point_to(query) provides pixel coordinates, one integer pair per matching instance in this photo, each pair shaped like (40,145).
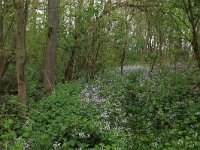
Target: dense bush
(10,121)
(63,120)
(68,119)
(132,111)
(163,111)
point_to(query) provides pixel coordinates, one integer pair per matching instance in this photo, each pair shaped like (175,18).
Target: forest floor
(133,68)
(137,110)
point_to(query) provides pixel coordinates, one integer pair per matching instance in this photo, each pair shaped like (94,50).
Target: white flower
(56,145)
(81,135)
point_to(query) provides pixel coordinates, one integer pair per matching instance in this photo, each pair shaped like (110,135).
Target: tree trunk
(3,60)
(50,58)
(194,22)
(122,60)
(21,50)
(1,26)
(160,46)
(4,63)
(123,56)
(70,67)
(196,49)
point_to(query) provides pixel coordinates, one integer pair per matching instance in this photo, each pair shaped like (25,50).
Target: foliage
(163,111)
(80,123)
(134,111)
(10,121)
(159,110)
(63,120)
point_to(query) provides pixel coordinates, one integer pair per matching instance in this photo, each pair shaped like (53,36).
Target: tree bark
(1,25)
(196,49)
(194,21)
(4,63)
(123,56)
(70,67)
(3,60)
(21,50)
(50,58)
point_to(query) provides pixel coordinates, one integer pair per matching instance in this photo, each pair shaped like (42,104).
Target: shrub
(10,121)
(162,111)
(63,120)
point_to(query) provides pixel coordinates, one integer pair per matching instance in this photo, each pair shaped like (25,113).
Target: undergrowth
(134,111)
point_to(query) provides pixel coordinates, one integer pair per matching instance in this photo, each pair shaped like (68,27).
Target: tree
(21,16)
(2,58)
(69,70)
(50,58)
(186,16)
(192,10)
